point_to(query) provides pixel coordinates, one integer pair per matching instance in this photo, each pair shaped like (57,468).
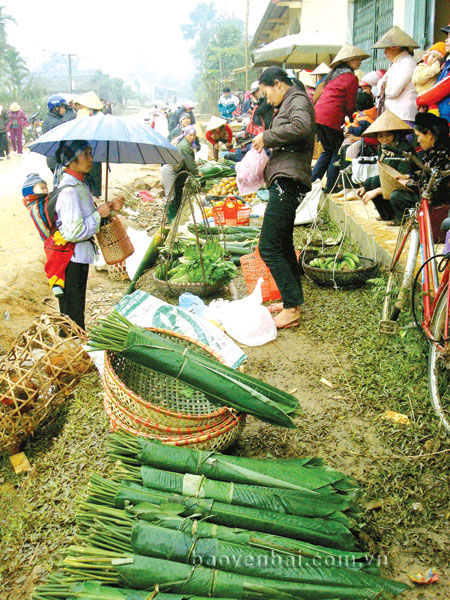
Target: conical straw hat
(307,79)
(322,69)
(347,52)
(215,123)
(386,122)
(89,100)
(395,37)
(388,181)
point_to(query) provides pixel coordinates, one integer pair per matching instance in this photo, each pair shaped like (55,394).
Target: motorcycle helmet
(55,101)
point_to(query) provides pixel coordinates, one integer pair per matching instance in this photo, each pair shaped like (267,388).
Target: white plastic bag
(245,320)
(307,211)
(250,171)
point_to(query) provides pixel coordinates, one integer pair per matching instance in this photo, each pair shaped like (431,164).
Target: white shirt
(400,93)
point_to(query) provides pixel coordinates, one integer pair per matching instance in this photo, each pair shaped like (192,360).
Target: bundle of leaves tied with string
(221,385)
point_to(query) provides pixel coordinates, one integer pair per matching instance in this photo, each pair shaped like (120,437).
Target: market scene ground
(301,456)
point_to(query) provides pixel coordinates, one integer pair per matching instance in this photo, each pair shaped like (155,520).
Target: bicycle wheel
(400,279)
(439,363)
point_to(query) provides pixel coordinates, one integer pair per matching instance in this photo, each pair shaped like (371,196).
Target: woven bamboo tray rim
(164,428)
(217,440)
(119,388)
(200,289)
(338,277)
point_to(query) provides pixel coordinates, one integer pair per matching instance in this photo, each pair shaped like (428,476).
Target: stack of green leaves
(198,265)
(221,385)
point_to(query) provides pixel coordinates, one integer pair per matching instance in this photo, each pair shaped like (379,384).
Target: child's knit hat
(438,47)
(29,183)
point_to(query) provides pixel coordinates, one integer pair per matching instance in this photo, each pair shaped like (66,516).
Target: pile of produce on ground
(188,263)
(347,261)
(216,526)
(221,385)
(236,240)
(213,172)
(227,186)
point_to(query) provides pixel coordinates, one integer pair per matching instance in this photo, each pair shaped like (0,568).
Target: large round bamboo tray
(38,374)
(329,277)
(156,398)
(388,180)
(217,438)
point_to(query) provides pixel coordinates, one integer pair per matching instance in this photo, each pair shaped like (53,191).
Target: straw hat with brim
(395,38)
(322,69)
(386,122)
(308,79)
(215,123)
(388,181)
(348,52)
(14,107)
(89,100)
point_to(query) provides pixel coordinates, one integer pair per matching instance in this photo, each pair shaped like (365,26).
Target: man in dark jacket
(57,107)
(4,120)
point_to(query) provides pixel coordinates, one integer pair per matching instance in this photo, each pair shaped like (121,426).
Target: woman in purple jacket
(17,121)
(336,101)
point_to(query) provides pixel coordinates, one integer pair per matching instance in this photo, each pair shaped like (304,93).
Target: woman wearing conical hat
(336,100)
(396,90)
(390,130)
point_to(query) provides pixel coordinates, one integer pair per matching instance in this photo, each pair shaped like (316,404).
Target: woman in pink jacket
(336,101)
(17,121)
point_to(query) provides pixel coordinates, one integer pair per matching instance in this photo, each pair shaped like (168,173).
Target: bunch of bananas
(340,262)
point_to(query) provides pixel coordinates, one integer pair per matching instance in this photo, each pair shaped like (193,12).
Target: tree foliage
(113,89)
(218,48)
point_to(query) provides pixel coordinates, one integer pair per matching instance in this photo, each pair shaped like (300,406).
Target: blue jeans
(276,244)
(331,140)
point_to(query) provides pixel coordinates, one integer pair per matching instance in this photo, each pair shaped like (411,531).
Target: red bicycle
(426,290)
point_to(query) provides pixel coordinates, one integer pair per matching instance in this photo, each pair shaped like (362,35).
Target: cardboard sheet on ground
(308,209)
(148,311)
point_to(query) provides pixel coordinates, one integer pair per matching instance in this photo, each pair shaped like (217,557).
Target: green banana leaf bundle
(220,384)
(297,474)
(304,503)
(147,539)
(65,589)
(142,572)
(168,516)
(324,532)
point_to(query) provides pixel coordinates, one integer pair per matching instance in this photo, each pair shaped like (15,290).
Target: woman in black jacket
(288,177)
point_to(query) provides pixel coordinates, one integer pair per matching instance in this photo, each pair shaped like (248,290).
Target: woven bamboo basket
(38,374)
(199,289)
(163,402)
(114,242)
(118,271)
(388,180)
(217,438)
(329,277)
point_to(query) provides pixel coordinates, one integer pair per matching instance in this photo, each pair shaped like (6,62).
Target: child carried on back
(58,251)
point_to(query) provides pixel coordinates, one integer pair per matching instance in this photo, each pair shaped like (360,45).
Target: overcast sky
(113,36)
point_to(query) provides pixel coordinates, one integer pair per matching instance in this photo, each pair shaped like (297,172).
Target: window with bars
(371,20)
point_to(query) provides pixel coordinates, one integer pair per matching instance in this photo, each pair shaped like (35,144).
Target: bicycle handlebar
(409,155)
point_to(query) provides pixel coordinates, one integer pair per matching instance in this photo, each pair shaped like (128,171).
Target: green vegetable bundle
(199,265)
(333,534)
(142,572)
(295,474)
(220,384)
(232,233)
(147,539)
(167,515)
(305,503)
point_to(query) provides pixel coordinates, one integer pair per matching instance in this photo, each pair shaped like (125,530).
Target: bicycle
(434,294)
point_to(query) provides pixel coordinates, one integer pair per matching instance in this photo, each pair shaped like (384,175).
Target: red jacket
(337,101)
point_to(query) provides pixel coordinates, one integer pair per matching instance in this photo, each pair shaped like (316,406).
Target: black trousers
(4,148)
(72,303)
(276,243)
(382,206)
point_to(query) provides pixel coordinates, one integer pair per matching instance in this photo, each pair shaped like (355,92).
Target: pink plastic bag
(250,171)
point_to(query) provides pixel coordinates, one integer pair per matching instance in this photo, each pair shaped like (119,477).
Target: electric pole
(246,44)
(69,56)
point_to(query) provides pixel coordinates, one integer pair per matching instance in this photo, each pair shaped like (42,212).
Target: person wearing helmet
(57,107)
